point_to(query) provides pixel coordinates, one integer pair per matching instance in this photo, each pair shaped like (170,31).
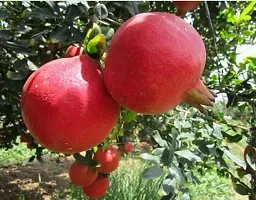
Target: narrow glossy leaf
(239,162)
(31,159)
(16,76)
(129,116)
(151,158)
(4,14)
(177,173)
(185,196)
(251,161)
(101,11)
(72,12)
(168,185)
(240,189)
(159,140)
(247,9)
(110,34)
(217,131)
(143,6)
(5,35)
(188,155)
(54,6)
(17,48)
(234,138)
(31,66)
(131,7)
(177,124)
(167,156)
(77,34)
(152,172)
(38,35)
(60,34)
(158,151)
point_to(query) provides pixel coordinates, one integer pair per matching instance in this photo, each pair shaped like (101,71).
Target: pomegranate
(184,6)
(82,174)
(74,51)
(108,159)
(66,106)
(98,188)
(128,147)
(154,63)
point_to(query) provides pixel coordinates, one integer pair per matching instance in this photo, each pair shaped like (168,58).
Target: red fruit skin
(74,51)
(128,147)
(23,139)
(82,174)
(29,146)
(66,106)
(98,188)
(153,60)
(109,159)
(186,5)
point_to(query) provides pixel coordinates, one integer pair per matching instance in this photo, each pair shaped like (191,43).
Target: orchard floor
(34,180)
(42,181)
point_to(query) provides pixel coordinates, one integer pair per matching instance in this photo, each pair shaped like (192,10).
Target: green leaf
(60,34)
(233,138)
(31,66)
(131,7)
(151,158)
(101,11)
(248,9)
(217,131)
(152,172)
(159,139)
(110,34)
(97,45)
(185,196)
(188,155)
(143,6)
(5,35)
(240,189)
(17,48)
(250,160)
(92,33)
(177,174)
(129,116)
(4,14)
(167,156)
(158,151)
(239,162)
(168,185)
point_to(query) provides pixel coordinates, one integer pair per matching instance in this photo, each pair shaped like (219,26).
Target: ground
(34,180)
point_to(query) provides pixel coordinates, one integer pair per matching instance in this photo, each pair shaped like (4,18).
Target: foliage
(33,33)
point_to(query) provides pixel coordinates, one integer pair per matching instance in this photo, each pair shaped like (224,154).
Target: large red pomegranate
(154,63)
(66,106)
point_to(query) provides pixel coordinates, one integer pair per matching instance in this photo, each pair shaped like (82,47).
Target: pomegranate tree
(154,63)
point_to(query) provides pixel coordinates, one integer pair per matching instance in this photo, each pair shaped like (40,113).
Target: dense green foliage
(33,33)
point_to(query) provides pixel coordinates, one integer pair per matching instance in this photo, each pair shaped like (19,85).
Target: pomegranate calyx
(200,95)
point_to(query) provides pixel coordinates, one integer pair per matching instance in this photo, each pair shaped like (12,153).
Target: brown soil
(35,181)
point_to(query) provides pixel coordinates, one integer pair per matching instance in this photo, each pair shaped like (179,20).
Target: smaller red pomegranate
(74,51)
(23,139)
(82,174)
(128,147)
(184,6)
(125,148)
(108,159)
(98,188)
